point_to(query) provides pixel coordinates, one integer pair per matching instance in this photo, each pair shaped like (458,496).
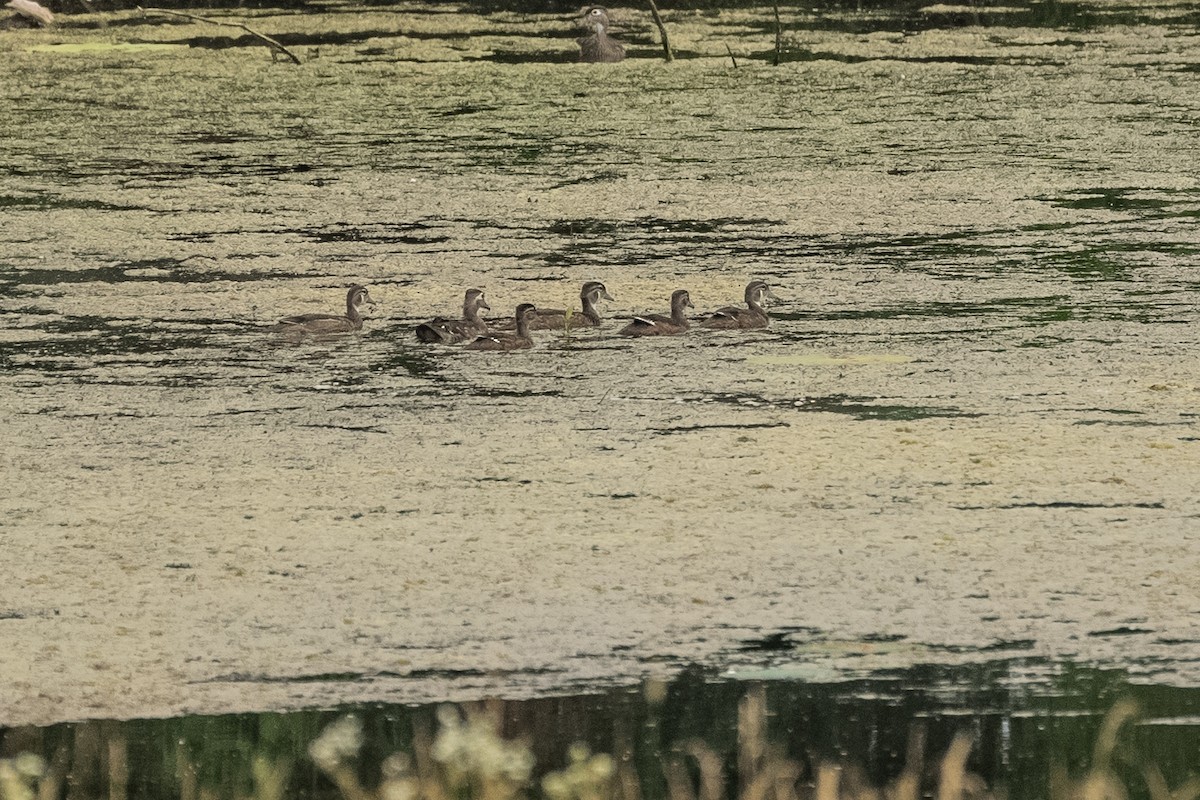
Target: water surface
(972,421)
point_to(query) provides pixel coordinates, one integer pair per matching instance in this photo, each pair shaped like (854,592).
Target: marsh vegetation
(969,432)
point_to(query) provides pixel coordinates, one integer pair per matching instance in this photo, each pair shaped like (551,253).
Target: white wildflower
(475,749)
(338,743)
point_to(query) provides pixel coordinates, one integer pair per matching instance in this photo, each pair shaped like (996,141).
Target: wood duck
(657,324)
(752,316)
(324,324)
(452,331)
(598,46)
(547,319)
(506,340)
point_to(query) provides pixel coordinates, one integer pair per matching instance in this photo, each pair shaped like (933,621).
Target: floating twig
(274,45)
(778,34)
(729,50)
(662,30)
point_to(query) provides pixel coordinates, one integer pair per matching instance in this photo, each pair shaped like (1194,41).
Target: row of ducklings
(514,333)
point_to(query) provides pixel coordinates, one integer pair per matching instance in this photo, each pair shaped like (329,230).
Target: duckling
(453,331)
(545,319)
(325,324)
(598,46)
(505,340)
(657,324)
(752,316)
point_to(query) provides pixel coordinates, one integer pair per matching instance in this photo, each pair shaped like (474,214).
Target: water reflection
(1031,727)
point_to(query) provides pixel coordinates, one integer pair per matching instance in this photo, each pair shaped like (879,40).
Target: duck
(598,47)
(657,324)
(452,331)
(546,319)
(325,324)
(507,340)
(752,316)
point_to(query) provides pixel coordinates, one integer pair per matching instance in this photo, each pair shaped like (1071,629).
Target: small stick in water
(662,30)
(274,45)
(778,34)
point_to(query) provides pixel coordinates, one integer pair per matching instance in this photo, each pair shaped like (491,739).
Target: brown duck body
(518,340)
(452,331)
(659,325)
(752,316)
(557,319)
(325,324)
(598,47)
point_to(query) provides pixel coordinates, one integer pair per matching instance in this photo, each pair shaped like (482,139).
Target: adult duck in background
(657,324)
(326,324)
(598,46)
(556,319)
(507,340)
(754,315)
(452,331)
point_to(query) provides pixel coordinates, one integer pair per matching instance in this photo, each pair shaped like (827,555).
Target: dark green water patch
(519,52)
(182,166)
(729,426)
(860,410)
(520,55)
(797,54)
(656,226)
(156,270)
(961,255)
(410,362)
(1135,423)
(1025,716)
(1090,264)
(349,428)
(1110,199)
(601,176)
(1044,308)
(1044,342)
(1123,630)
(327,38)
(485,391)
(785,640)
(83,342)
(469,109)
(1064,504)
(44,201)
(911,16)
(412,233)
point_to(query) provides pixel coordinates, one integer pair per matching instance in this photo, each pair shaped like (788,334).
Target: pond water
(970,431)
